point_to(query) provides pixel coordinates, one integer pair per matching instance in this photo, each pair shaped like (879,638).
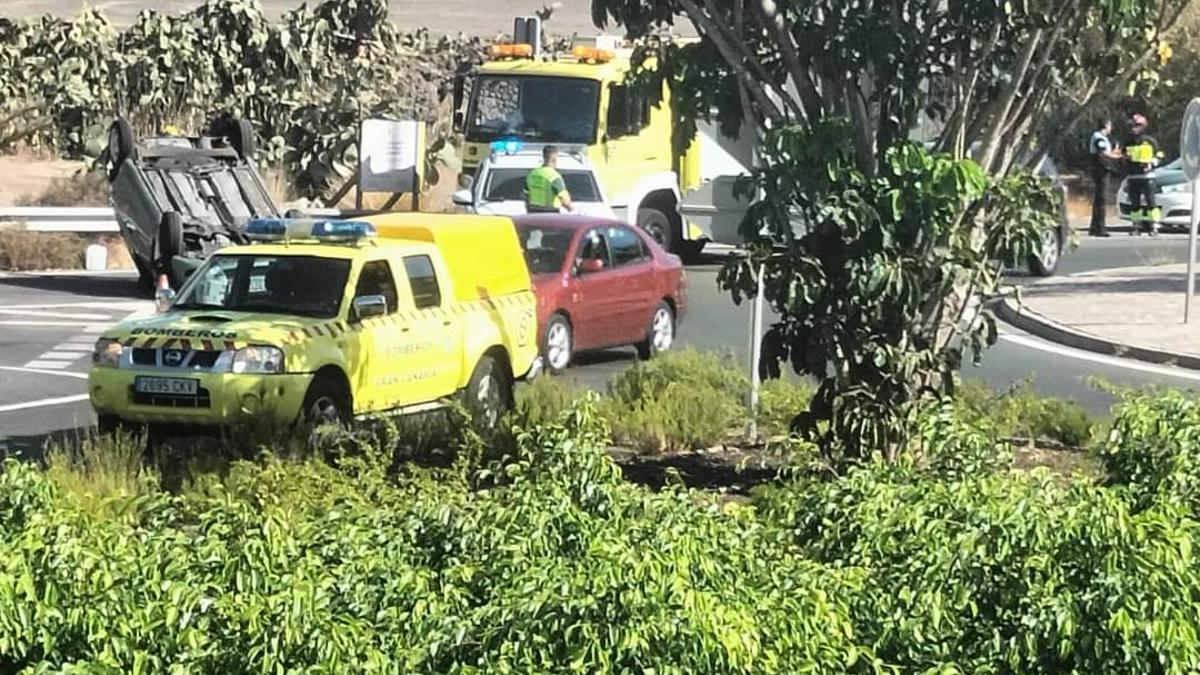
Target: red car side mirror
(591,266)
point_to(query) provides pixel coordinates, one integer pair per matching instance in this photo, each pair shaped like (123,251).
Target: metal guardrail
(88,219)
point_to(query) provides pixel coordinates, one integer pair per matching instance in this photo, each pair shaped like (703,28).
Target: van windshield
(535,108)
(509,185)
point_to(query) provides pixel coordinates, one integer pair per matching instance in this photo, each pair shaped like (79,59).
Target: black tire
(121,146)
(658,225)
(656,342)
(489,393)
(170,243)
(327,403)
(240,135)
(1045,262)
(294,214)
(558,344)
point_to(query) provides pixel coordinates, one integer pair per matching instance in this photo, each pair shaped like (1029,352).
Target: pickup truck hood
(217,329)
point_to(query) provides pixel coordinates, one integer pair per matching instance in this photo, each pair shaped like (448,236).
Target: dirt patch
(26,175)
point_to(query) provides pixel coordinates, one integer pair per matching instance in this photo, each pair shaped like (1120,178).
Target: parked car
(600,283)
(498,188)
(178,199)
(1173,194)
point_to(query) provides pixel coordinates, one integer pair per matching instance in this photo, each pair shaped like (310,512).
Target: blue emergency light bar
(509,146)
(267,228)
(343,230)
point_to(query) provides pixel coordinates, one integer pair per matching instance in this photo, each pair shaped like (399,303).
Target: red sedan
(600,283)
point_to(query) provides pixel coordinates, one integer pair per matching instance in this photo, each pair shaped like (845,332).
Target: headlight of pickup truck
(257,359)
(107,353)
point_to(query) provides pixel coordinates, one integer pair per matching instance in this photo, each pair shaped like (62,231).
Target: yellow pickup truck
(326,321)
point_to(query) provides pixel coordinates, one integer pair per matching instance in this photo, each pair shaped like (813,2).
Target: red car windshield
(545,248)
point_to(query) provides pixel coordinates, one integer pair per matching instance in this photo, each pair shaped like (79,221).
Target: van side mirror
(368,306)
(459,121)
(591,266)
(462,198)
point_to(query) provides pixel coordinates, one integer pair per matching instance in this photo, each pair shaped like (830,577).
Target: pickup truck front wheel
(326,404)
(489,393)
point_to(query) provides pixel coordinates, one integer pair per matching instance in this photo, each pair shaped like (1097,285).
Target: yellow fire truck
(583,100)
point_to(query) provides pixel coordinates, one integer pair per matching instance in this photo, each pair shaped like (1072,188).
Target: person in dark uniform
(1103,156)
(1141,156)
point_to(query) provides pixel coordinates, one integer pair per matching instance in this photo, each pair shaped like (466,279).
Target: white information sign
(389,154)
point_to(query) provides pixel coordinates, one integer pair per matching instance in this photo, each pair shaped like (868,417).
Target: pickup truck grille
(202,399)
(176,359)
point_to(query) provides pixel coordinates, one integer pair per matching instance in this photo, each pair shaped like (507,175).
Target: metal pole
(1191,271)
(756,315)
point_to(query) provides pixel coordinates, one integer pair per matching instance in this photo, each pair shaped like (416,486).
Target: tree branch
(776,23)
(1004,105)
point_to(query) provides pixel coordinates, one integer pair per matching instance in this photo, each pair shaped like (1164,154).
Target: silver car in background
(1172,194)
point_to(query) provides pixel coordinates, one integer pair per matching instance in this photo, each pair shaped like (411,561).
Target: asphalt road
(48,321)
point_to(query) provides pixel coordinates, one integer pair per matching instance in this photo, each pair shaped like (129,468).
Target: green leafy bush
(681,401)
(1021,412)
(780,400)
(1005,572)
(1154,448)
(559,566)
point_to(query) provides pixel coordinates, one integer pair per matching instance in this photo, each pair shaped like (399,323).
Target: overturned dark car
(178,199)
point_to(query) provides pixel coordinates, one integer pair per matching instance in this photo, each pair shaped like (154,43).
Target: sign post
(1189,148)
(390,157)
(756,317)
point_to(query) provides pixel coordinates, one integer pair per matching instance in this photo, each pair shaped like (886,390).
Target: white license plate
(175,386)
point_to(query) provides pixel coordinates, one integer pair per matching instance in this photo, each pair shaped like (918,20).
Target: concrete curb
(1048,329)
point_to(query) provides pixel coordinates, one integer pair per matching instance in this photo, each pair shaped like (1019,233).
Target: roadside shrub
(1005,572)
(82,188)
(950,447)
(24,251)
(1021,412)
(780,400)
(1154,448)
(544,400)
(560,566)
(683,400)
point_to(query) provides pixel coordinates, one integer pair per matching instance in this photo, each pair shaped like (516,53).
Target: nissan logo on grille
(173,357)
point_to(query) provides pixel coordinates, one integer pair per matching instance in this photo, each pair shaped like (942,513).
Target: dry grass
(83,188)
(24,251)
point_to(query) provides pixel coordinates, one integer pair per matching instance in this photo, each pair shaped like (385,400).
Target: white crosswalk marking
(98,328)
(76,345)
(47,365)
(64,356)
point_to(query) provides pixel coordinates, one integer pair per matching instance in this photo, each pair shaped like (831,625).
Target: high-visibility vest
(539,187)
(1142,153)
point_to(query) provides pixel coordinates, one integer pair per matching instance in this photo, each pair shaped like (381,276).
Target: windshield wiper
(197,305)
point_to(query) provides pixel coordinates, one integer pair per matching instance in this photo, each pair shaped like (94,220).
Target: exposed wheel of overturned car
(170,244)
(1044,262)
(239,133)
(121,145)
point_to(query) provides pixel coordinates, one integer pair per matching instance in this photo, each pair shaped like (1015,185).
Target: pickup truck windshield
(509,184)
(300,285)
(545,248)
(535,108)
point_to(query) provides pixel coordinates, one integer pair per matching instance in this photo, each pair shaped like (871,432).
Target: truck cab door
(439,327)
(376,359)
(636,139)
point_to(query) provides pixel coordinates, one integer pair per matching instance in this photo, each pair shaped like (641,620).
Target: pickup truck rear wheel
(326,404)
(489,393)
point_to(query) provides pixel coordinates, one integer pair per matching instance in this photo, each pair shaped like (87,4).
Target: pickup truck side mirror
(462,198)
(367,306)
(591,266)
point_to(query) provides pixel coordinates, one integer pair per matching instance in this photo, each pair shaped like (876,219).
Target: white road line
(127,306)
(39,371)
(13,311)
(64,356)
(80,344)
(96,328)
(1113,361)
(62,400)
(38,364)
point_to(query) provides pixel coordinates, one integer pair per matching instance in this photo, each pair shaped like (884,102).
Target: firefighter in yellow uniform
(545,191)
(1142,155)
